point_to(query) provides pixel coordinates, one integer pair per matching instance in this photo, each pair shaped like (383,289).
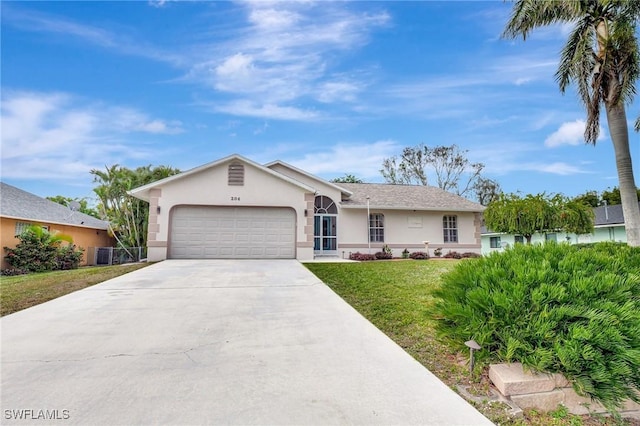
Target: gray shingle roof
(406,197)
(18,204)
(608,215)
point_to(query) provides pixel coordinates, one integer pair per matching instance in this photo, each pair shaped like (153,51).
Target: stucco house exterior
(237,208)
(608,226)
(20,209)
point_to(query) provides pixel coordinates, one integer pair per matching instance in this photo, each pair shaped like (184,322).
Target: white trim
(309,175)
(141,192)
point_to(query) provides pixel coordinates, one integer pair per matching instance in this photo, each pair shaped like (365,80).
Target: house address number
(235,198)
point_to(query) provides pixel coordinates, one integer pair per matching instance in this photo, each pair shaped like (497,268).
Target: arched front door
(325,226)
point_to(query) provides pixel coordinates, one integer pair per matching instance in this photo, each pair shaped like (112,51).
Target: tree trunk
(619,131)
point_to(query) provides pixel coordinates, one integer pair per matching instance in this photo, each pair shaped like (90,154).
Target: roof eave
(142,192)
(310,176)
(434,209)
(53,222)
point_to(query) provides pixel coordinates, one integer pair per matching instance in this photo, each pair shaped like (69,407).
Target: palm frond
(637,125)
(530,14)
(577,59)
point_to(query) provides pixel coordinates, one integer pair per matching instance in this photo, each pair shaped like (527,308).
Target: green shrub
(419,255)
(69,257)
(555,308)
(39,251)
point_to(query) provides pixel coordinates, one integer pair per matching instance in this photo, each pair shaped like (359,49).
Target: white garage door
(203,232)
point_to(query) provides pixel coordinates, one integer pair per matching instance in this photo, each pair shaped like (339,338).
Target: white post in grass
(368,225)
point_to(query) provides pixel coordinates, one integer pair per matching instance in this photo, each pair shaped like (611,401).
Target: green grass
(395,296)
(23,291)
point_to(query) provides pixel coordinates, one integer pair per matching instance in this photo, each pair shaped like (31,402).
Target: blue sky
(332,88)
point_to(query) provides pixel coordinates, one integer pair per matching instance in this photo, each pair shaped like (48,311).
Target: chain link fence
(101,256)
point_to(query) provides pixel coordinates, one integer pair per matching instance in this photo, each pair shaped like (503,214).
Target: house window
(450,229)
(21,226)
(551,236)
(324,205)
(376,228)
(494,242)
(519,239)
(236,174)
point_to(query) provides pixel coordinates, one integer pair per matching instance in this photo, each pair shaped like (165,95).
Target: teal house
(609,226)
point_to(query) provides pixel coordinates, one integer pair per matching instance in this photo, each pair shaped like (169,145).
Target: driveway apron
(184,342)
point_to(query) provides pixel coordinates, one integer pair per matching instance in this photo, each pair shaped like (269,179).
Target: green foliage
(347,178)
(39,251)
(84,205)
(527,215)
(555,308)
(128,215)
(590,198)
(405,254)
(610,196)
(68,257)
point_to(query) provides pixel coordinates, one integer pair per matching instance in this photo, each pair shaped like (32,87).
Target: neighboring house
(608,226)
(236,208)
(20,209)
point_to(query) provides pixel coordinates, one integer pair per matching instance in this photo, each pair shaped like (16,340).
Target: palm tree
(602,58)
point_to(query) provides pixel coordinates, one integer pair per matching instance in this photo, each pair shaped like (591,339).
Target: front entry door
(325,236)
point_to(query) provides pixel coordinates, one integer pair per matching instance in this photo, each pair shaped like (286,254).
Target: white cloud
(363,160)
(58,136)
(569,133)
(557,168)
(121,42)
(273,111)
(273,19)
(284,52)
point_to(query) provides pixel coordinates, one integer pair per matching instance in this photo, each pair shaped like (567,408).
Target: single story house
(237,208)
(20,209)
(608,226)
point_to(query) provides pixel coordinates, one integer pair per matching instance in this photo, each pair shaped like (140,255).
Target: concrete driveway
(213,342)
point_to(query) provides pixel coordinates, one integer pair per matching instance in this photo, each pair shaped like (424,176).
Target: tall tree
(453,170)
(590,197)
(487,190)
(528,215)
(128,215)
(347,178)
(84,204)
(602,58)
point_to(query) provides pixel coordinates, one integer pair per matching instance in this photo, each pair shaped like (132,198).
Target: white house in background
(608,226)
(236,208)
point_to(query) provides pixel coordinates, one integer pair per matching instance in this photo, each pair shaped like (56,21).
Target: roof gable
(18,204)
(406,197)
(311,177)
(142,192)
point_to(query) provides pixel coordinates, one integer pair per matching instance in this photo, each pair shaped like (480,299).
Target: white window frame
(450,228)
(376,228)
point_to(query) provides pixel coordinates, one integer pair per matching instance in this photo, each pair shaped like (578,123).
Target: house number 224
(235,198)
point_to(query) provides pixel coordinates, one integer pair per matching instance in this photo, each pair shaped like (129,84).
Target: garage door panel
(232,232)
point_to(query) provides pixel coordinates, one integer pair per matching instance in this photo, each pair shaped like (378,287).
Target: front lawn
(23,291)
(395,296)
